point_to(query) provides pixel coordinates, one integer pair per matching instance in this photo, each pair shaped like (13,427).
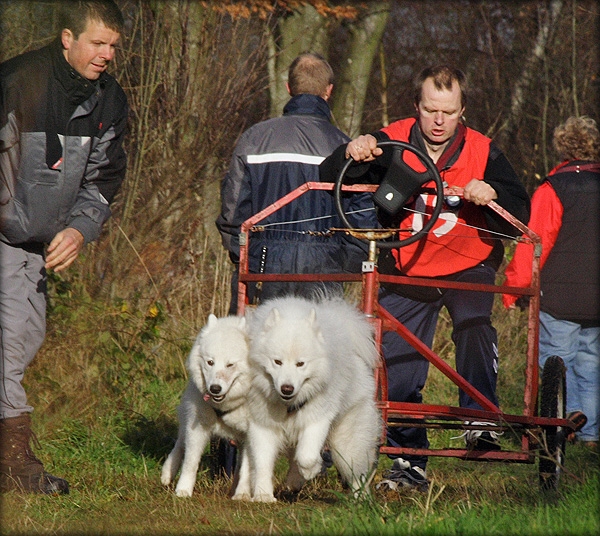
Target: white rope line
(313,219)
(501,235)
(275,224)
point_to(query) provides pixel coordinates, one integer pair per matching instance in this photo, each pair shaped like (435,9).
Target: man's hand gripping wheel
(400,183)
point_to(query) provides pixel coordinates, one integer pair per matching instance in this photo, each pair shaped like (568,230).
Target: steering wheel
(401,181)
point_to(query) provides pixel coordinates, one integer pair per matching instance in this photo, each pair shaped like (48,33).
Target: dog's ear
(212,320)
(273,318)
(312,323)
(242,323)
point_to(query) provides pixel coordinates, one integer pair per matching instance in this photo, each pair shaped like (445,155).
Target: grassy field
(116,490)
(105,388)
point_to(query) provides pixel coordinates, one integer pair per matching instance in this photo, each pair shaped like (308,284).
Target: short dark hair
(309,73)
(75,14)
(443,77)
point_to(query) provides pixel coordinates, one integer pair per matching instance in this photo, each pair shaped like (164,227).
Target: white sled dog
(214,403)
(312,384)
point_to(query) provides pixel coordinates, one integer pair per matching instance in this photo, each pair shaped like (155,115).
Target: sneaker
(481,439)
(327,461)
(404,475)
(579,420)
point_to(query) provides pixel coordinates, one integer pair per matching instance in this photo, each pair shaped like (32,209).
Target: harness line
(260,228)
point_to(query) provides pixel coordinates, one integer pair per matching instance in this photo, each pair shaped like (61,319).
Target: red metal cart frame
(529,425)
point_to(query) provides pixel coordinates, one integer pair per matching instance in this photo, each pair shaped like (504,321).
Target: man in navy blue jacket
(271,159)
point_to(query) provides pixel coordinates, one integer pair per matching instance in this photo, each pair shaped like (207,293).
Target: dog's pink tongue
(206,397)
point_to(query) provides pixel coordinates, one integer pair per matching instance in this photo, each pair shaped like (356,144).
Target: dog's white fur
(214,403)
(312,384)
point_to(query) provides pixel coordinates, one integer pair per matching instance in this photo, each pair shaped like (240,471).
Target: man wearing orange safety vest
(464,245)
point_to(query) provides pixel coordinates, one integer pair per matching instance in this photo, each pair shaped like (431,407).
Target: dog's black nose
(287,390)
(215,389)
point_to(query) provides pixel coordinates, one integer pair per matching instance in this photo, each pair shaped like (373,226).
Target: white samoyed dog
(214,403)
(312,384)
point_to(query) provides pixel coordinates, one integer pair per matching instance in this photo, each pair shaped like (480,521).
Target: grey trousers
(22,321)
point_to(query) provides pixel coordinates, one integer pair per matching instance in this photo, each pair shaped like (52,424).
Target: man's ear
(287,86)
(66,38)
(328,91)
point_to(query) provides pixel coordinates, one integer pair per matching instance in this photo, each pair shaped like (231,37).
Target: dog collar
(220,412)
(296,407)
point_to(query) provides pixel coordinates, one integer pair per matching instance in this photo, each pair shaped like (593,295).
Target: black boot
(19,468)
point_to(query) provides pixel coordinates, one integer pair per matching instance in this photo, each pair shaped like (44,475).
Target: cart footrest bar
(458,426)
(465,454)
(410,412)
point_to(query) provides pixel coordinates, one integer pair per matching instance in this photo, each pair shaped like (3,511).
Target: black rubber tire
(424,158)
(553,400)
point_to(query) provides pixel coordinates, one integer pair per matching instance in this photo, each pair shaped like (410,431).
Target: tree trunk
(303,30)
(350,92)
(531,70)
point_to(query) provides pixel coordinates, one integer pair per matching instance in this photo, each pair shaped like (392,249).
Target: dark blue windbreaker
(273,158)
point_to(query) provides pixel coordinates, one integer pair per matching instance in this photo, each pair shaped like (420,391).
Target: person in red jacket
(461,246)
(564,212)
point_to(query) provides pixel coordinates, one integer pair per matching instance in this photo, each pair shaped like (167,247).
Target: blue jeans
(580,350)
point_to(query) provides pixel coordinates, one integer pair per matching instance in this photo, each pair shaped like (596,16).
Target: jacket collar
(452,150)
(77,88)
(306,104)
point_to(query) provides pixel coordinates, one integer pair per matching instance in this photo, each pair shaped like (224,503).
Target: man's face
(439,112)
(90,54)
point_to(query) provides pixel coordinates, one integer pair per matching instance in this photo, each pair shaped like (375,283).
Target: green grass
(116,490)
(106,385)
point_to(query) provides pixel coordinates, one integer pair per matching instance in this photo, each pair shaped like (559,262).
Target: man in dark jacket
(62,122)
(271,159)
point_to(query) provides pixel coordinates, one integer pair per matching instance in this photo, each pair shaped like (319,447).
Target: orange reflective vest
(459,239)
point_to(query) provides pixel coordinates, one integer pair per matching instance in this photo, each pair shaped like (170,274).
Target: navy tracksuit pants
(473,335)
